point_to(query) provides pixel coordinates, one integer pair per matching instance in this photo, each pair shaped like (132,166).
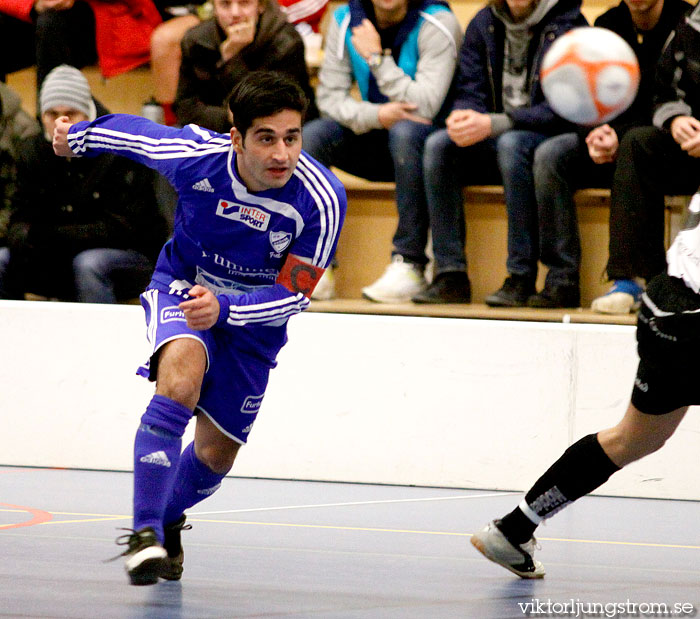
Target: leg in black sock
(582,468)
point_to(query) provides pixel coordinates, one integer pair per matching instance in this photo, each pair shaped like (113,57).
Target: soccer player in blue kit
(257,222)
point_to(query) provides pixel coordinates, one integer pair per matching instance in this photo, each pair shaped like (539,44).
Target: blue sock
(156,455)
(195,482)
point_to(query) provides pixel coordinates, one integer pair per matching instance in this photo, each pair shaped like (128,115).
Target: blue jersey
(232,241)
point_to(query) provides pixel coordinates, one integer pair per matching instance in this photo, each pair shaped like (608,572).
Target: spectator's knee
(85,262)
(164,40)
(435,153)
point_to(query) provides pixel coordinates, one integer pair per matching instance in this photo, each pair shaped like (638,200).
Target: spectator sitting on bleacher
(53,32)
(498,118)
(15,125)
(243,35)
(166,52)
(402,56)
(651,163)
(84,229)
(588,158)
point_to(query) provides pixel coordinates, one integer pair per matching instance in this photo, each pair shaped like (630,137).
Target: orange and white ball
(590,75)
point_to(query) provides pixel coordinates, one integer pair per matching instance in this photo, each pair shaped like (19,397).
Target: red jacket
(122,30)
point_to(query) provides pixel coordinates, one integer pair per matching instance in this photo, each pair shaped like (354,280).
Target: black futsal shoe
(173,565)
(144,556)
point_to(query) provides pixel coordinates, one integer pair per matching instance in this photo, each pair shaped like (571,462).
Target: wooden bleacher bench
(365,244)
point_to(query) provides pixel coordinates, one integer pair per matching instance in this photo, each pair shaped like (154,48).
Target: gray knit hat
(65,85)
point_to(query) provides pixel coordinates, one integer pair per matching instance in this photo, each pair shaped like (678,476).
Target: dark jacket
(15,126)
(480,74)
(205,82)
(677,88)
(648,47)
(65,206)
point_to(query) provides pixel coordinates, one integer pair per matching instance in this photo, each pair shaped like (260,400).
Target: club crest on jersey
(280,240)
(249,215)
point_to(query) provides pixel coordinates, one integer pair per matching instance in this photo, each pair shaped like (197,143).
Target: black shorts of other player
(668,343)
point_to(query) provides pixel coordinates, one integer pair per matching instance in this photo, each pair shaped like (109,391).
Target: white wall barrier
(398,400)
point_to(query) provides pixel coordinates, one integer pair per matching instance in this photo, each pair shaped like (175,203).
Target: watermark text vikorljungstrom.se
(577,608)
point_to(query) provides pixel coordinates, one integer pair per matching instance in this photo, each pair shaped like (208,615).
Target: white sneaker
(325,289)
(400,282)
(491,543)
(623,297)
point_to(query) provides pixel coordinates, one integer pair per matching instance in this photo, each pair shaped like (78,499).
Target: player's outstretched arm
(60,137)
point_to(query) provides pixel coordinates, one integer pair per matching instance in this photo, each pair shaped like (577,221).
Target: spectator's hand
(57,5)
(467,127)
(684,127)
(686,131)
(202,311)
(394,111)
(60,137)
(238,36)
(602,144)
(365,39)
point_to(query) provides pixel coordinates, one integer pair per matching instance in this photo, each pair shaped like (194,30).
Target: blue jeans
(395,155)
(558,161)
(103,274)
(516,150)
(447,168)
(562,165)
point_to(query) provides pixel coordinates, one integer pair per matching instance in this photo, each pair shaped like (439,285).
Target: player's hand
(202,311)
(57,5)
(467,127)
(602,144)
(238,36)
(365,39)
(60,137)
(394,111)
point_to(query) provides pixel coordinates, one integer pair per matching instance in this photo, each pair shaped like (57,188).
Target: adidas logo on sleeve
(203,185)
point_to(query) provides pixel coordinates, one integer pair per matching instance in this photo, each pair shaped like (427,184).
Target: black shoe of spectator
(449,287)
(556,296)
(515,292)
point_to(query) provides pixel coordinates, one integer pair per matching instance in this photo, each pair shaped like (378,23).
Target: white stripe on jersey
(283,208)
(162,148)
(327,202)
(306,8)
(263,312)
(94,131)
(151,297)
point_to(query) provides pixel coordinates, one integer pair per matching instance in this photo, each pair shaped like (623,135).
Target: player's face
(231,12)
(48,118)
(520,9)
(267,155)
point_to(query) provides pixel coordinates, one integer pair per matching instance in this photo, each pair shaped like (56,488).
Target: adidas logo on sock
(203,185)
(157,457)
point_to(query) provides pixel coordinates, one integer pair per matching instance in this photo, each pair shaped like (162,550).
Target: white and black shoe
(145,557)
(496,547)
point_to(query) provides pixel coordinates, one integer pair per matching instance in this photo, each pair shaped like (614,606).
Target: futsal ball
(590,75)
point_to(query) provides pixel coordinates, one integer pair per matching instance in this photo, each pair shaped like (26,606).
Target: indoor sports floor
(266,548)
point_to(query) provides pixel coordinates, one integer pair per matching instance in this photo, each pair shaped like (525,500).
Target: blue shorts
(235,380)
